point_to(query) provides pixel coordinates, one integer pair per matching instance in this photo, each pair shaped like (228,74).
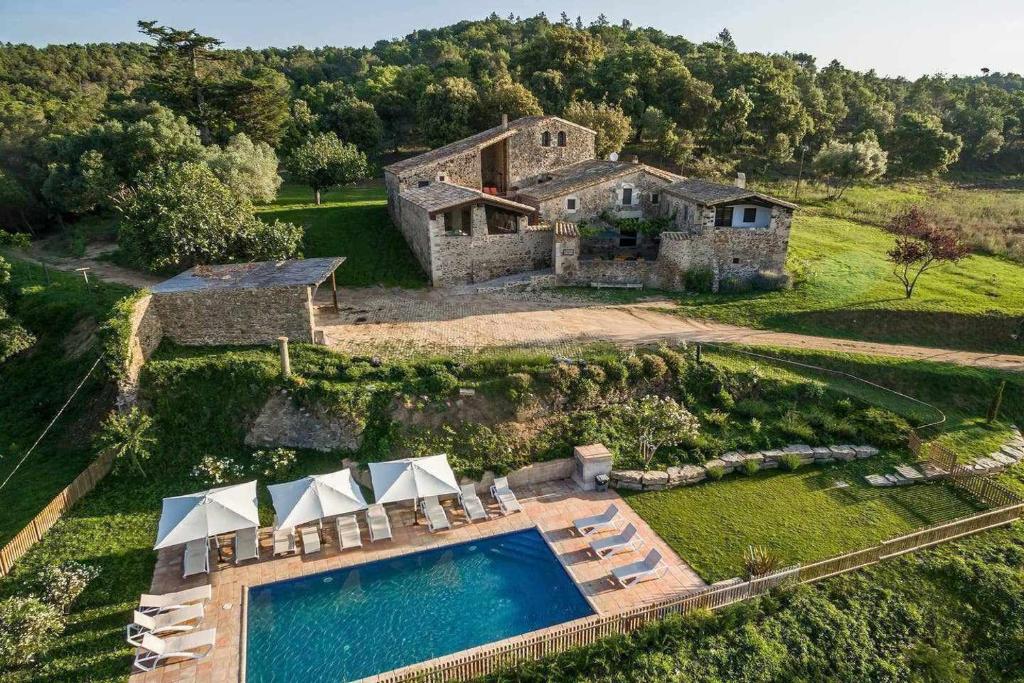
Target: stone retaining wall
(657,480)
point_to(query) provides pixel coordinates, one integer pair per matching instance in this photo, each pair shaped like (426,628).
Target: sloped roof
(438,196)
(711,194)
(585,173)
(256,275)
(481,139)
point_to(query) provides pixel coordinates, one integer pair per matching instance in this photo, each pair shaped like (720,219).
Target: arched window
(545,139)
(561,138)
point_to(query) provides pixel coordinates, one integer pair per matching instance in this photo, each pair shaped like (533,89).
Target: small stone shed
(243,303)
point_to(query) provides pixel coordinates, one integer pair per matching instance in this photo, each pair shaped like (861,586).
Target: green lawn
(352,222)
(63,315)
(800,515)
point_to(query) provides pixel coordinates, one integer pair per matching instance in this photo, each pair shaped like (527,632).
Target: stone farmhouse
(529,195)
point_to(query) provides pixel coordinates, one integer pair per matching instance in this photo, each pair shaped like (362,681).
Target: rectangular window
(423,183)
(449,221)
(750,215)
(627,196)
(654,198)
(723,217)
(570,203)
(686,213)
(467,221)
(627,238)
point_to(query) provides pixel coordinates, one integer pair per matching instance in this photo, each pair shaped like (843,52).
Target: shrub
(215,471)
(517,387)
(60,585)
(881,427)
(585,392)
(771,281)
(758,560)
(675,361)
(790,462)
(595,373)
(128,436)
(813,391)
(793,424)
(700,280)
(563,377)
(439,384)
(615,373)
(752,407)
(273,462)
(750,467)
(725,399)
(401,372)
(716,418)
(27,626)
(715,472)
(654,367)
(634,367)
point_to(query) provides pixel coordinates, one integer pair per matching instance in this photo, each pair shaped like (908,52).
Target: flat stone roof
(586,173)
(709,194)
(438,196)
(255,275)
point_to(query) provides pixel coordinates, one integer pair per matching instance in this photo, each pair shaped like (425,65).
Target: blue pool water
(359,621)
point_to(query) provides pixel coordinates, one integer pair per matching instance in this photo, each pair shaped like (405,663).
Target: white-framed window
(442,178)
(571,204)
(626,195)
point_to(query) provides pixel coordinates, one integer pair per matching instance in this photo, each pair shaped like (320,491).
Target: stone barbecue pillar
(566,249)
(591,461)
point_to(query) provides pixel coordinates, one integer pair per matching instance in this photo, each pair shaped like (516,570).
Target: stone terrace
(551,507)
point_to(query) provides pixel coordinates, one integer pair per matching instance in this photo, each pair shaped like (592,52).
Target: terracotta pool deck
(550,507)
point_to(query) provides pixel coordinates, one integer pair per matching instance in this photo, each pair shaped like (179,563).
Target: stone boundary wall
(659,480)
(145,336)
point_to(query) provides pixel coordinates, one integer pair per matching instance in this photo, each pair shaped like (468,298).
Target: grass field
(801,516)
(351,222)
(63,316)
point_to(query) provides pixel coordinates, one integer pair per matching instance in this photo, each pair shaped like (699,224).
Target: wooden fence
(48,516)
(488,659)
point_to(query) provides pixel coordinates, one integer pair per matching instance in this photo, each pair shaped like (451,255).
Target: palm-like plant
(758,560)
(127,435)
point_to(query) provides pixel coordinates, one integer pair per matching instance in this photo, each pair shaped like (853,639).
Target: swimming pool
(358,621)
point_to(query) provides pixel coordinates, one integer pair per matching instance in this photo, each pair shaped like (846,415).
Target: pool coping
(243,645)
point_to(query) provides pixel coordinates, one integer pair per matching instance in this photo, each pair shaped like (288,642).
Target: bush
(634,367)
(793,424)
(563,377)
(790,462)
(752,407)
(216,471)
(699,280)
(615,373)
(675,361)
(715,472)
(758,560)
(715,418)
(60,585)
(517,387)
(272,462)
(128,436)
(27,626)
(881,427)
(595,373)
(751,467)
(654,367)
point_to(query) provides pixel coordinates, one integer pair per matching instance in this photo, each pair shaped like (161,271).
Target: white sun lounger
(284,542)
(155,604)
(175,621)
(651,567)
(247,545)
(196,645)
(596,523)
(437,518)
(377,520)
(507,500)
(624,542)
(310,540)
(471,503)
(348,532)
(197,558)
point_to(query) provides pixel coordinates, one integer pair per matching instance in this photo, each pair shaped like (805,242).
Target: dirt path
(98,268)
(403,321)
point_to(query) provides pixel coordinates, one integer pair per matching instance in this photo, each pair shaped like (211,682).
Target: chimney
(741,181)
(635,159)
(504,120)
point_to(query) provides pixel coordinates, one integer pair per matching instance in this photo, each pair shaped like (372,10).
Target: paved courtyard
(401,322)
(550,507)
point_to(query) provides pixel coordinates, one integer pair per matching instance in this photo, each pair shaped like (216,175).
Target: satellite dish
(614,156)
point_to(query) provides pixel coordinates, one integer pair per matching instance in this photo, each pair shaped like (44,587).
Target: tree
(446,110)
(182,216)
(920,246)
(356,121)
(324,161)
(248,169)
(919,145)
(612,125)
(127,436)
(655,422)
(13,337)
(507,97)
(842,163)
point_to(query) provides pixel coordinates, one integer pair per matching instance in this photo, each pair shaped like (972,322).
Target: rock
(799,449)
(1015,453)
(822,451)
(720,464)
(865,451)
(844,453)
(988,464)
(755,457)
(1002,458)
(687,474)
(769,464)
(655,480)
(282,423)
(877,480)
(626,476)
(733,458)
(630,485)
(772,456)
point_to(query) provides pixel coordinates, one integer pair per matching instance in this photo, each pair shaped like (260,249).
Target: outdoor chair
(196,645)
(437,518)
(471,503)
(155,604)
(507,500)
(624,542)
(284,542)
(247,545)
(197,558)
(377,520)
(176,621)
(597,523)
(348,532)
(310,540)
(651,567)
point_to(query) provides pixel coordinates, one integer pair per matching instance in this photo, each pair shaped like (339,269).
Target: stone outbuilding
(242,303)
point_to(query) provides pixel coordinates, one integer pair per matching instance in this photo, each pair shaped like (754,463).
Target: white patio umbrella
(201,515)
(315,497)
(412,479)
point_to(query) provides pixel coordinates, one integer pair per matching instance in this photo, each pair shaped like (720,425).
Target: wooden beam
(334,292)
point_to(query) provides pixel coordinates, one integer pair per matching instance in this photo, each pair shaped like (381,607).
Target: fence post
(286,364)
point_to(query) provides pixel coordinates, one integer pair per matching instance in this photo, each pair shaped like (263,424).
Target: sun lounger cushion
(150,604)
(310,540)
(348,532)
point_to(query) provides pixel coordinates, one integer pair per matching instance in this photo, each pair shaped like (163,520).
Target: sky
(895,37)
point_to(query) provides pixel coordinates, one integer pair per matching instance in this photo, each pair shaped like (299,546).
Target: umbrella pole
(415,511)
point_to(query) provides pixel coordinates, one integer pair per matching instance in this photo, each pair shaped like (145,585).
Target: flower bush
(60,585)
(272,462)
(27,626)
(213,470)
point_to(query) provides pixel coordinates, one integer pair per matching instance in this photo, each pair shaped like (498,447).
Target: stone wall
(415,226)
(605,196)
(657,480)
(534,473)
(236,316)
(527,157)
(607,271)
(144,338)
